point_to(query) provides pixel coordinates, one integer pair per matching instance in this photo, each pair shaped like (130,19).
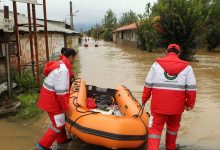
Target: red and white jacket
(172,84)
(54,93)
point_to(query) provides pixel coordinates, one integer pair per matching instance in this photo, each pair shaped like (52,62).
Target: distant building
(126,35)
(58,37)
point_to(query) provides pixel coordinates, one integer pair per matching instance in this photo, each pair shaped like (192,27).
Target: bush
(213,37)
(180,22)
(107,35)
(29,108)
(26,82)
(29,87)
(147,35)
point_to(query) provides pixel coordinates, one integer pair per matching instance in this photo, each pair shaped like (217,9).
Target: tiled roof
(127,27)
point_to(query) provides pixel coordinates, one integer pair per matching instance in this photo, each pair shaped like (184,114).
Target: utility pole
(71,16)
(6,28)
(45,30)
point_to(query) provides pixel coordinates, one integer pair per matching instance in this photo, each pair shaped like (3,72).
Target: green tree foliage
(180,21)
(214,16)
(107,35)
(128,18)
(89,32)
(110,20)
(29,96)
(213,26)
(109,24)
(146,31)
(213,37)
(96,31)
(26,82)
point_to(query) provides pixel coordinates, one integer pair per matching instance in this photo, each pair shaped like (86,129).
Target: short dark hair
(67,52)
(173,50)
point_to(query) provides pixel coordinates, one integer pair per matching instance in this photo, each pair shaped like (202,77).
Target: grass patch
(28,88)
(29,108)
(76,67)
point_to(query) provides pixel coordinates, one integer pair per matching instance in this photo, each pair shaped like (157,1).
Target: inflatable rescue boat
(127,129)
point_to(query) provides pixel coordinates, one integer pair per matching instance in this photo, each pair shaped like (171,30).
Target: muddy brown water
(110,65)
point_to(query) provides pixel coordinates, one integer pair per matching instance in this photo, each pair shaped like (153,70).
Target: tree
(89,32)
(109,24)
(180,21)
(147,30)
(96,31)
(213,25)
(109,20)
(107,35)
(128,18)
(213,37)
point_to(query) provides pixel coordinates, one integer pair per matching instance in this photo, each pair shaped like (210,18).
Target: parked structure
(58,37)
(126,35)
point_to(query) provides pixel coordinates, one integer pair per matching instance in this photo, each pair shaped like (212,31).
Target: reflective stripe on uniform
(55,129)
(190,87)
(153,136)
(61,92)
(171,132)
(52,88)
(49,87)
(149,84)
(165,85)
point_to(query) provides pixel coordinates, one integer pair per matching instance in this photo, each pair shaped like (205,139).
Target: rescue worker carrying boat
(172,84)
(54,97)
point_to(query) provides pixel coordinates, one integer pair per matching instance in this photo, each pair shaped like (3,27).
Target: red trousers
(155,128)
(53,133)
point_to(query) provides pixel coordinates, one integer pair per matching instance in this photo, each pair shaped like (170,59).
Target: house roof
(23,20)
(132,26)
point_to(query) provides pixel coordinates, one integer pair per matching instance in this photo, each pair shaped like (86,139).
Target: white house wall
(72,41)
(127,37)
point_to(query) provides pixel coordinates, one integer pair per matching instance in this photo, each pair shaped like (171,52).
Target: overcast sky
(90,11)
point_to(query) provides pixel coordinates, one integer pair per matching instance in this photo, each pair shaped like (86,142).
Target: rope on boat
(77,105)
(140,112)
(129,92)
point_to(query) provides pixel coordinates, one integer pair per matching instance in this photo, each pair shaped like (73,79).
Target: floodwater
(110,65)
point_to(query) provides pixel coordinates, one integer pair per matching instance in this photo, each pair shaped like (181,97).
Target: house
(126,35)
(58,37)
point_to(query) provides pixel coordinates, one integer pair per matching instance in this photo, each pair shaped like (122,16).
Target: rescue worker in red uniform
(172,85)
(54,96)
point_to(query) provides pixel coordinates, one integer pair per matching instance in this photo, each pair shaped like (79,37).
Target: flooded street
(109,65)
(18,135)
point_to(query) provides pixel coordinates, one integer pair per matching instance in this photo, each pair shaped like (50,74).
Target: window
(11,46)
(2,50)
